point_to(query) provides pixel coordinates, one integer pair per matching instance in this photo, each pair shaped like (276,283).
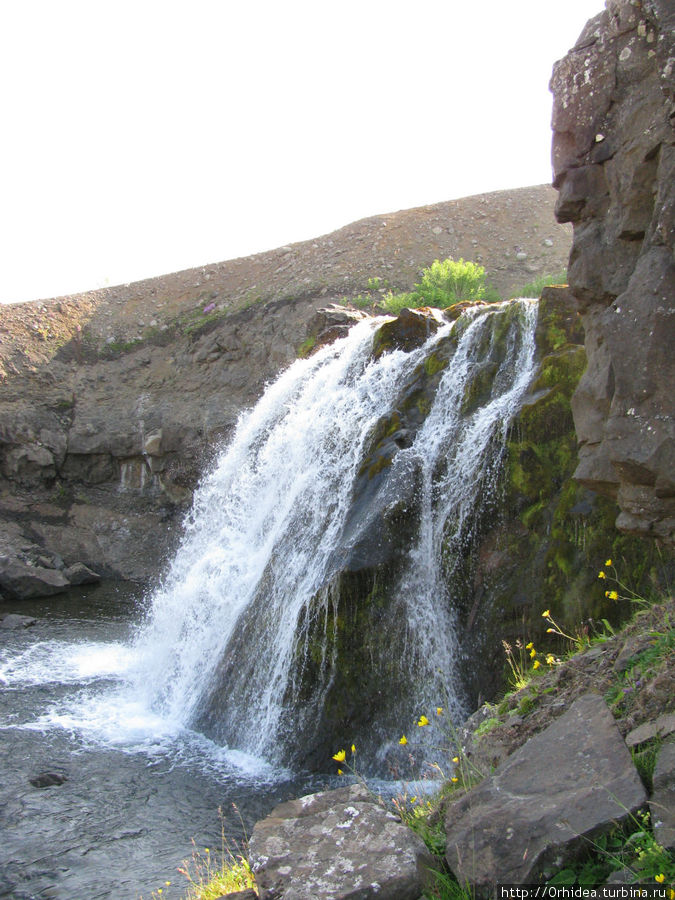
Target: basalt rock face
(101,446)
(614,168)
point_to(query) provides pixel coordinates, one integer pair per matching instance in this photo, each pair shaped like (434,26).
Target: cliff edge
(614,165)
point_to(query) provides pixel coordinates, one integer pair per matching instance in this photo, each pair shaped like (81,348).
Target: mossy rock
(479,389)
(410,329)
(558,322)
(349,658)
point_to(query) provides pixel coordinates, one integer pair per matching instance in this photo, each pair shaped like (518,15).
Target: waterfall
(251,606)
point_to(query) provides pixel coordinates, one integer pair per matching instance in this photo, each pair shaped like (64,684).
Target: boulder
(337,844)
(48,779)
(21,581)
(658,728)
(662,801)
(13,621)
(81,574)
(564,785)
(614,163)
(410,329)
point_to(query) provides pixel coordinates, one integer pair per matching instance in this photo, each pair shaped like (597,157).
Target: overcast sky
(145,137)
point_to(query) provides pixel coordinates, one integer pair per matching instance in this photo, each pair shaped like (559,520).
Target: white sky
(145,137)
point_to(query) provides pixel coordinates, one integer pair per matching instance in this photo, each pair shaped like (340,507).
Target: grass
(631,848)
(443,284)
(209,880)
(211,874)
(534,288)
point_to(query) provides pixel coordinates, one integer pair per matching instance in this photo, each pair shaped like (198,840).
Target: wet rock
(80,574)
(574,779)
(662,801)
(48,779)
(452,313)
(410,329)
(22,581)
(337,844)
(13,621)
(614,166)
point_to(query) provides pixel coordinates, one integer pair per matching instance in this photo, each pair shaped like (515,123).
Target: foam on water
(51,662)
(102,709)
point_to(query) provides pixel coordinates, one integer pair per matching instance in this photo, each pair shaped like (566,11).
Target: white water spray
(261,541)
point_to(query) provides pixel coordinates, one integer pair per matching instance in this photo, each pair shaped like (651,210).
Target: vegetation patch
(534,288)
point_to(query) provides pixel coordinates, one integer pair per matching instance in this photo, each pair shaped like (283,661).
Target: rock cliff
(614,168)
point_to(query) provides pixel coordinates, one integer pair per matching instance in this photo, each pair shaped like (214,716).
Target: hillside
(513,234)
(115,401)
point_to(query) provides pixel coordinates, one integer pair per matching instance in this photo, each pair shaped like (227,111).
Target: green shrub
(451,281)
(443,284)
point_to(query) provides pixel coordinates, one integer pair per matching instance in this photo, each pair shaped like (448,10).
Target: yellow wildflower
(206,850)
(353,748)
(167,883)
(439,710)
(529,646)
(454,779)
(546,613)
(660,878)
(340,756)
(536,664)
(608,562)
(403,741)
(160,891)
(413,799)
(340,772)
(423,721)
(601,575)
(533,653)
(550,631)
(671,894)
(455,759)
(550,659)
(613,595)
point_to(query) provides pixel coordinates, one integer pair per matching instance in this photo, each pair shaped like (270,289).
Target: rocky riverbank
(543,781)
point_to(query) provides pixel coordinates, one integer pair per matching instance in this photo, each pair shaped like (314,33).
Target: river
(138,789)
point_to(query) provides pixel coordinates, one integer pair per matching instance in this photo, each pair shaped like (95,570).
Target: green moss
(562,369)
(487,726)
(382,341)
(382,462)
(117,348)
(479,388)
(527,704)
(433,364)
(306,347)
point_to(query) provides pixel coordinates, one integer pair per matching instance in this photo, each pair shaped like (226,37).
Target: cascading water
(313,602)
(245,639)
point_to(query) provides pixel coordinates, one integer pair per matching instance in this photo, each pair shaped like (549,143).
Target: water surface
(138,789)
